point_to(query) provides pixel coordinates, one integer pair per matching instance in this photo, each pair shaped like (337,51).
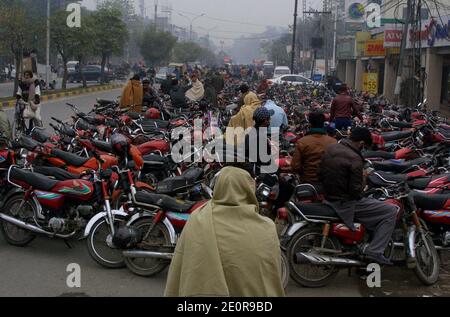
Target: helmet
(153,113)
(127,237)
(119,143)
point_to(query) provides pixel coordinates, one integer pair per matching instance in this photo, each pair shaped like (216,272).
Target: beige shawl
(227,248)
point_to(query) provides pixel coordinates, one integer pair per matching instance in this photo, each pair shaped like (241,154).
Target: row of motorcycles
(108,177)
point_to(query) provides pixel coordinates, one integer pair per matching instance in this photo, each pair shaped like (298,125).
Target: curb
(11,103)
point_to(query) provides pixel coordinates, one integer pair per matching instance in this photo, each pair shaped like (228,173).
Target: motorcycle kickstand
(68,244)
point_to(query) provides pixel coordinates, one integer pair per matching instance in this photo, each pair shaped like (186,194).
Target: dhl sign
(374,48)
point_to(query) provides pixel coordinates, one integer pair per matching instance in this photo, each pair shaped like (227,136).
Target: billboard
(434,33)
(393,35)
(355,11)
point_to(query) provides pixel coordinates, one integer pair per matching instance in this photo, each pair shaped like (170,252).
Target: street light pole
(47,72)
(294,37)
(191,21)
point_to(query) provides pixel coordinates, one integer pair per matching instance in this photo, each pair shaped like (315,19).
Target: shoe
(379,259)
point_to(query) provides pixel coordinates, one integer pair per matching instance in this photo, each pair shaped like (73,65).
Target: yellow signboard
(360,40)
(374,48)
(370,83)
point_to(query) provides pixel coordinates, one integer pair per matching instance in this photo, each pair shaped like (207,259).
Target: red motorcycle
(318,243)
(40,205)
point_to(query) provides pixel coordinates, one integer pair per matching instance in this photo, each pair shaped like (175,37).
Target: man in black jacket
(342,176)
(178,94)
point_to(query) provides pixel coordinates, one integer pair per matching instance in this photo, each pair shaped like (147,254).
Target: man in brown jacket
(342,176)
(310,149)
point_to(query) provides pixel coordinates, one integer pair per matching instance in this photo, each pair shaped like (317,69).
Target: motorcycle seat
(396,135)
(376,180)
(390,166)
(166,203)
(40,135)
(152,123)
(401,124)
(154,159)
(431,202)
(318,211)
(379,154)
(102,146)
(424,182)
(174,184)
(35,180)
(104,102)
(70,158)
(26,143)
(55,172)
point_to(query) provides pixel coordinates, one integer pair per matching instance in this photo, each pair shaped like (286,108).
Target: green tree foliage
(110,34)
(278,52)
(156,46)
(17,32)
(185,52)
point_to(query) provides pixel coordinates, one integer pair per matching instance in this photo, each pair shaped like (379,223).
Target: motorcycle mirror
(131,165)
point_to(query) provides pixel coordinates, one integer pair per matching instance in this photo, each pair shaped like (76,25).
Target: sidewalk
(71,92)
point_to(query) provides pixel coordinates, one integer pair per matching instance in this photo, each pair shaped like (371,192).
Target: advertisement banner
(354,10)
(434,33)
(393,35)
(370,83)
(361,39)
(374,48)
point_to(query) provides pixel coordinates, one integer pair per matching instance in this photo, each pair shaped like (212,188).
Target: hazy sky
(253,15)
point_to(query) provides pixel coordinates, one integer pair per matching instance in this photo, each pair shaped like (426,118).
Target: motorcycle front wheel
(427,263)
(284,269)
(99,244)
(158,241)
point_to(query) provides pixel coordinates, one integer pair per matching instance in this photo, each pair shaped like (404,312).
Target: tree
(83,42)
(62,39)
(185,52)
(278,52)
(156,46)
(110,34)
(15,33)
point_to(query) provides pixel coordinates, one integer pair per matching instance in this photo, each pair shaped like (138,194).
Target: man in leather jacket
(342,176)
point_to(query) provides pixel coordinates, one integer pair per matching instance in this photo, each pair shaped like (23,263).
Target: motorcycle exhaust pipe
(32,228)
(316,259)
(147,254)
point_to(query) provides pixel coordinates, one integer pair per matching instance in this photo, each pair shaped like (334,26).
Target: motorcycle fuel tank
(75,189)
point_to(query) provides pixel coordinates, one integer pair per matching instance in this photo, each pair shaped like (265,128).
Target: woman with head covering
(227,248)
(243,119)
(132,95)
(197,92)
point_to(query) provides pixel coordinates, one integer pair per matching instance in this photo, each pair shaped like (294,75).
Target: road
(40,268)
(7,89)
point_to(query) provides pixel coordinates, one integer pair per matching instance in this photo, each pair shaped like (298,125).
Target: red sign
(393,38)
(227,59)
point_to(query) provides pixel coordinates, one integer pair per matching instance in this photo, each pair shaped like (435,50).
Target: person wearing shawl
(197,92)
(132,95)
(244,118)
(226,248)
(29,90)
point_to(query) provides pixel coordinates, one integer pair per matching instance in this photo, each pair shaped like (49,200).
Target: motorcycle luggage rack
(304,217)
(9,178)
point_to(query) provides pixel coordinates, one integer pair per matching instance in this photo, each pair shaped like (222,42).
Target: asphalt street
(7,89)
(40,268)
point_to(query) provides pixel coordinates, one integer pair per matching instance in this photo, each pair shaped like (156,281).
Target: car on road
(280,71)
(91,73)
(293,79)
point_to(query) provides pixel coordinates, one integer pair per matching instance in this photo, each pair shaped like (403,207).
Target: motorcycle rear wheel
(304,274)
(147,266)
(427,265)
(13,234)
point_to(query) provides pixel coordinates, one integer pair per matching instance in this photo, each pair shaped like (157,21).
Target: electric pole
(294,37)
(47,70)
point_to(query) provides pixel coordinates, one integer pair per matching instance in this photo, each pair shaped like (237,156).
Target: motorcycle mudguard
(98,216)
(289,232)
(166,222)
